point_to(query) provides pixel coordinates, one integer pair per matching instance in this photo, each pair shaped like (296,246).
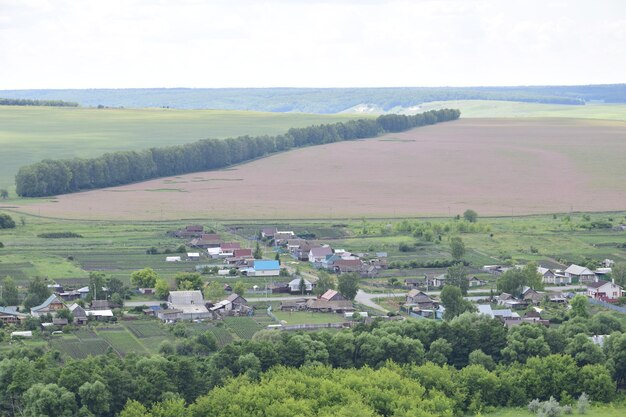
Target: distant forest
(320,100)
(52,177)
(33,102)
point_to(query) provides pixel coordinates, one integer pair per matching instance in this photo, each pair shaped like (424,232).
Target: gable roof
(578,270)
(319,251)
(329,294)
(266,265)
(186,298)
(230,245)
(242,252)
(46,303)
(597,284)
(234,297)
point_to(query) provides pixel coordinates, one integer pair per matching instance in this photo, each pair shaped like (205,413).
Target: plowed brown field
(494,166)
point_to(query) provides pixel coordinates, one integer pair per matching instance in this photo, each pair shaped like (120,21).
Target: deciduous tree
(348,285)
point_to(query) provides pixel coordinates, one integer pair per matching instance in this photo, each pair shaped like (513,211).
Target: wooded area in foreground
(52,177)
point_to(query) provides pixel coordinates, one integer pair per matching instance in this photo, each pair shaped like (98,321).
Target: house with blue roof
(265,268)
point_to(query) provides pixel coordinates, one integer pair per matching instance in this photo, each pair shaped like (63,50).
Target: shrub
(583,403)
(6,222)
(59,235)
(567,409)
(550,408)
(534,405)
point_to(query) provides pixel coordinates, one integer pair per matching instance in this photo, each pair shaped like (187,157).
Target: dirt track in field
(494,166)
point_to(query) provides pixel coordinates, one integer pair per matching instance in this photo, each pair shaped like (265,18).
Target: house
(347,265)
(532,296)
(100,314)
(437,281)
(100,305)
(419,300)
(332,295)
(169,315)
(280,288)
(321,305)
(293,305)
(508,300)
(413,283)
(318,254)
(268,232)
(233,302)
(172,259)
(554,277)
(242,253)
(51,305)
(580,274)
(10,315)
(188,232)
(475,282)
(604,290)
(206,242)
(279,236)
(193,256)
(265,268)
(79,313)
(190,303)
(294,286)
(151,311)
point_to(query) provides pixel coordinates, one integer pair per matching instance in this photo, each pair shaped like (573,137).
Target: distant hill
(318,100)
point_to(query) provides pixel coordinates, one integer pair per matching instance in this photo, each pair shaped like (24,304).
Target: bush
(550,408)
(58,235)
(583,403)
(405,247)
(6,222)
(534,405)
(567,409)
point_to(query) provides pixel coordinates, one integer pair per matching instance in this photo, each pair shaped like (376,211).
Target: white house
(294,286)
(319,253)
(172,259)
(193,256)
(604,289)
(190,303)
(579,273)
(553,276)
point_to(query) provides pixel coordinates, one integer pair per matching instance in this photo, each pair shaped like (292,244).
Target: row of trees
(32,102)
(51,177)
(466,364)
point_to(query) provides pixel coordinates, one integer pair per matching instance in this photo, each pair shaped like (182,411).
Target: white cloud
(143,43)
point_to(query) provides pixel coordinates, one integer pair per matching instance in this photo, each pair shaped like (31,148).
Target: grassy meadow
(495,108)
(601,411)
(119,248)
(30,134)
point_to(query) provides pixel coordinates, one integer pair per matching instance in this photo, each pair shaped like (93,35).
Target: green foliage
(6,222)
(470,215)
(618,273)
(188,281)
(582,404)
(38,292)
(162,288)
(214,291)
(59,235)
(457,248)
(525,341)
(348,285)
(514,280)
(452,300)
(325,282)
(258,253)
(457,276)
(4,194)
(239,288)
(49,400)
(10,295)
(144,278)
(579,306)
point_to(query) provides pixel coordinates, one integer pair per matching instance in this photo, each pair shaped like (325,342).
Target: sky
(316,43)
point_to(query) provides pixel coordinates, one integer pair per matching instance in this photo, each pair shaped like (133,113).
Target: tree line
(465,364)
(51,177)
(32,102)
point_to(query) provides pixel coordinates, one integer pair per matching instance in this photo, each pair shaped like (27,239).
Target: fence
(607,305)
(317,326)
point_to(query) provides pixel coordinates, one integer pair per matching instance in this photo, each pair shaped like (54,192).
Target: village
(291,289)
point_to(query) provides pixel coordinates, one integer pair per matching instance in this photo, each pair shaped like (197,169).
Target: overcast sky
(333,43)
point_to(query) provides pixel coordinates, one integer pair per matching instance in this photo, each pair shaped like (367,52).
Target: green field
(305,317)
(30,134)
(604,411)
(494,108)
